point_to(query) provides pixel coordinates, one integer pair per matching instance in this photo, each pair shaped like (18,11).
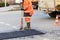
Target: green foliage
(2,4)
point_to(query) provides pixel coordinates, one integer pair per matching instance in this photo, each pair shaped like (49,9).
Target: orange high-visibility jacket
(27,5)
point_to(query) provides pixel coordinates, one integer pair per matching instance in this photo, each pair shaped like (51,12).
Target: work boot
(28,26)
(21,28)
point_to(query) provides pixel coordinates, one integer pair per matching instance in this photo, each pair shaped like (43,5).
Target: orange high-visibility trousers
(27,19)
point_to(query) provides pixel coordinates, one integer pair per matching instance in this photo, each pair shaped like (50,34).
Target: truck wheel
(36,6)
(53,14)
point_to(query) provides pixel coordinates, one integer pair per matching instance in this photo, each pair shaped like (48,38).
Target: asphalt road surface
(10,21)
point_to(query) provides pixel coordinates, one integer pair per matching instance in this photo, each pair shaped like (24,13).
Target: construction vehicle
(35,4)
(51,7)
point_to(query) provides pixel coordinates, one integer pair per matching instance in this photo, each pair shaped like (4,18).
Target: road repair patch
(17,34)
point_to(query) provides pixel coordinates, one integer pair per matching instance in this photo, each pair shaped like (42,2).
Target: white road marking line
(14,26)
(46,39)
(7,24)
(2,23)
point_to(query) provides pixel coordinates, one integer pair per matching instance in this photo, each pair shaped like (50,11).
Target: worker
(28,12)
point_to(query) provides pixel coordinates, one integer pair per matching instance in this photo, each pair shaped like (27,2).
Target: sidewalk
(2,9)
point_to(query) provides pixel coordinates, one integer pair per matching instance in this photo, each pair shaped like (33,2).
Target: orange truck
(51,7)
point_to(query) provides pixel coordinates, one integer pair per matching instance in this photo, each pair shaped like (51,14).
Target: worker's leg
(27,19)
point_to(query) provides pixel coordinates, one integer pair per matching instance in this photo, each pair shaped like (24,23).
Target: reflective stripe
(56,20)
(27,19)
